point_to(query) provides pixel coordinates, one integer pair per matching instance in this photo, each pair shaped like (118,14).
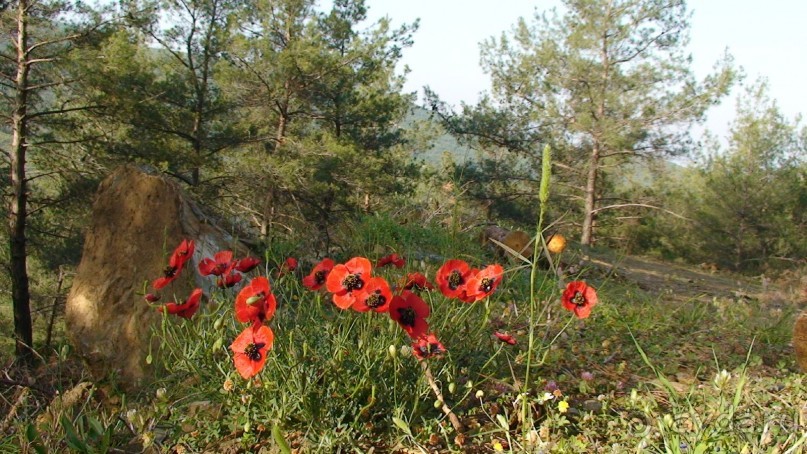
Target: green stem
(538,246)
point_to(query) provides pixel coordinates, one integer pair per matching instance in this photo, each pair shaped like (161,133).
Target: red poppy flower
(288,266)
(255,302)
(417,282)
(152,298)
(376,296)
(484,282)
(452,277)
(410,311)
(217,265)
(182,254)
(580,298)
(228,279)
(250,348)
(169,274)
(392,259)
(247,264)
(506,338)
(186,309)
(427,346)
(347,280)
(316,279)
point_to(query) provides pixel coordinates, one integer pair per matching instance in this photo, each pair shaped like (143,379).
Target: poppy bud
(217,345)
(151,298)
(247,264)
(254,299)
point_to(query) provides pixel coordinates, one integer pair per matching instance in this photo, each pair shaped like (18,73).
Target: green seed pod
(437,403)
(452,387)
(217,345)
(393,352)
(217,324)
(149,359)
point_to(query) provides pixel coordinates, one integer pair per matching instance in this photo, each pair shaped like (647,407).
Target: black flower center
(220,268)
(487,284)
(253,351)
(376,299)
(455,280)
(170,271)
(319,277)
(352,282)
(579,299)
(408,316)
(430,349)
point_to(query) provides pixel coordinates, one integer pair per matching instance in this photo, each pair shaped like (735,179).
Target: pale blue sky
(767,38)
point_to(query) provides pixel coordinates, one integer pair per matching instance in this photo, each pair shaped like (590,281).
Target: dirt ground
(682,282)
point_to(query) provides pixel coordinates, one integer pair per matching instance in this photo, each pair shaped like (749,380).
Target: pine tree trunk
(590,198)
(17,213)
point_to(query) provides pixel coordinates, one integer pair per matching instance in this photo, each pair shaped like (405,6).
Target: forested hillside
(287,120)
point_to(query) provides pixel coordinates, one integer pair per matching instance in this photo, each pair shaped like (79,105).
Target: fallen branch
(433,383)
(12,413)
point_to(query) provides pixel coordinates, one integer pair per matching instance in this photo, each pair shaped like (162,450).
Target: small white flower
(547,396)
(722,379)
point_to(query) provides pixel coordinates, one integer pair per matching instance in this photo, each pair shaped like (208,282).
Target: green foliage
(163,105)
(321,106)
(754,195)
(602,82)
(743,207)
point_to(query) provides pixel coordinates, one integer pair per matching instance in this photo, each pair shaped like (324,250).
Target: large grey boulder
(138,218)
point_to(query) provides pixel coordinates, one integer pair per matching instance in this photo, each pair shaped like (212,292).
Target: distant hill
(443,142)
(637,174)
